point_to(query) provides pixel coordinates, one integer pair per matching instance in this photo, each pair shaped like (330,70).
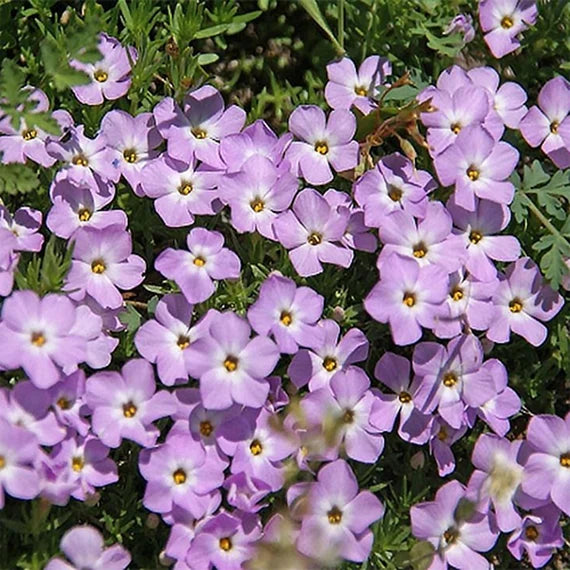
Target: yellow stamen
(456,128)
(554,127)
(130,155)
(98,266)
(77,464)
(565,460)
(2,462)
(475,237)
(206,428)
(507,22)
(101,76)
(442,434)
(84,215)
(451,535)
(348,417)
(257,205)
(38,339)
(64,403)
(183,342)
(409,299)
(315,238)
(199,261)
(405,397)
(394,193)
(473,173)
(29,134)
(531,533)
(321,147)
(80,160)
(516,306)
(449,379)
(225,543)
(256,448)
(286,318)
(129,410)
(330,363)
(334,515)
(231,363)
(179,476)
(185,188)
(199,133)
(419,250)
(457,294)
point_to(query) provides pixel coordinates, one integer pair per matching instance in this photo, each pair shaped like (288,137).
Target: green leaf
(131,318)
(211,31)
(314,11)
(17,179)
(207,58)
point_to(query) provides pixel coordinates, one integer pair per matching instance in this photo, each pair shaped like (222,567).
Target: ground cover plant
(282,284)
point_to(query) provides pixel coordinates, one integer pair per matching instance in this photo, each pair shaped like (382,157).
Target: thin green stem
(542,218)
(340,6)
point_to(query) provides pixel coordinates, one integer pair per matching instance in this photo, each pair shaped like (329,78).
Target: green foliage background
(269,56)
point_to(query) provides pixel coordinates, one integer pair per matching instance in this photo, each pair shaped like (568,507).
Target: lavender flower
(452,378)
(102,264)
(394,184)
(287,312)
(521,301)
(230,366)
(325,143)
(462,24)
(198,128)
(165,341)
(257,446)
(257,194)
(538,535)
(35,334)
(131,144)
(226,541)
(18,451)
(125,404)
(548,124)
(194,270)
(343,410)
(317,366)
(478,166)
(347,87)
(179,473)
(336,516)
(310,231)
(84,547)
(477,228)
(457,541)
(19,143)
(181,190)
(77,206)
(255,140)
(109,76)
(428,241)
(547,469)
(394,371)
(408,297)
(86,464)
(503,21)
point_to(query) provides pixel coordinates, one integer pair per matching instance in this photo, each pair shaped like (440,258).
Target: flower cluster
(275,397)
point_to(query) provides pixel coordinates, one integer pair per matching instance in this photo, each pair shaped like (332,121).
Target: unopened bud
(338,314)
(64,18)
(417,460)
(152,521)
